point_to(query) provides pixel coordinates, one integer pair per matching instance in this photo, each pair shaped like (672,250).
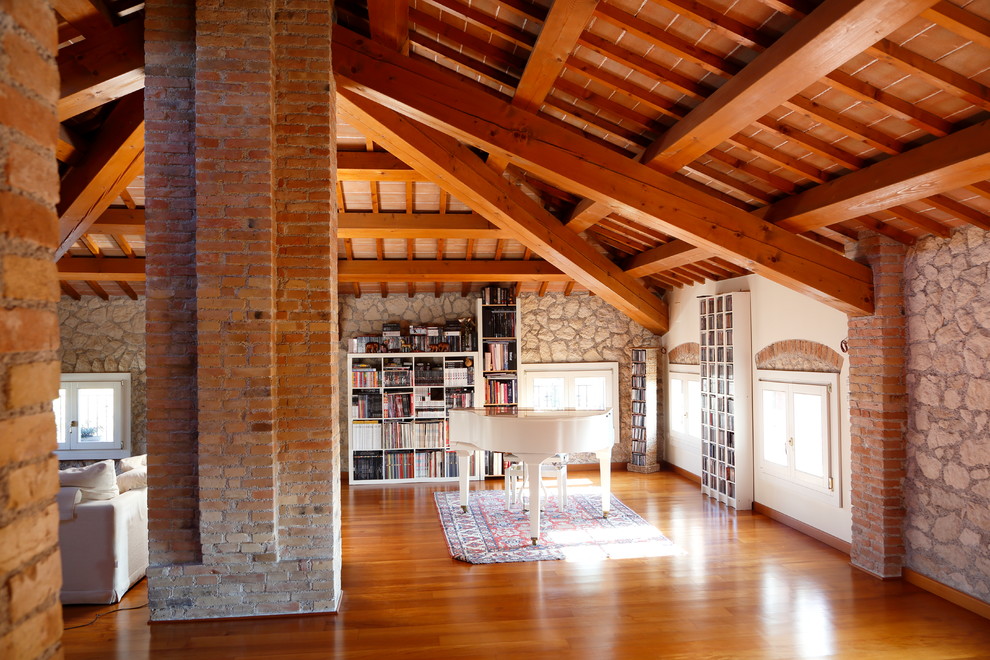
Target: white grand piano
(533,436)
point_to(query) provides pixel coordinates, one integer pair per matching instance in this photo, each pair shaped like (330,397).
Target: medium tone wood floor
(745,587)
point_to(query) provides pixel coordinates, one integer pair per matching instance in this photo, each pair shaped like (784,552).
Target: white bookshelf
(498,342)
(726,399)
(397,419)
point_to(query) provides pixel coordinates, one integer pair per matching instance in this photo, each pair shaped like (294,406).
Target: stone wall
(583,328)
(947,493)
(108,336)
(30,574)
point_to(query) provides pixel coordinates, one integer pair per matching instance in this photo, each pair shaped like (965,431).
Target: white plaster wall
(778,314)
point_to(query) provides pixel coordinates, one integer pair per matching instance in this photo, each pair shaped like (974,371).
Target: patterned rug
(488,534)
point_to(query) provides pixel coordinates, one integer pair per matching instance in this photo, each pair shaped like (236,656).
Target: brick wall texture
(878,414)
(242,309)
(30,575)
(947,492)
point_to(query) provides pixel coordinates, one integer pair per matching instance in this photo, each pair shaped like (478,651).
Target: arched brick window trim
(686,353)
(799,355)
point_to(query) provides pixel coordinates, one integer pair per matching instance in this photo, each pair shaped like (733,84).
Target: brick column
(878,414)
(257,219)
(30,566)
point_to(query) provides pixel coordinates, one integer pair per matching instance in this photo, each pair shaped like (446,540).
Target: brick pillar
(878,414)
(257,219)
(30,566)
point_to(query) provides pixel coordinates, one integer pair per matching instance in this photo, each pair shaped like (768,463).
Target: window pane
(775,427)
(58,407)
(589,393)
(95,414)
(694,408)
(808,437)
(548,393)
(678,414)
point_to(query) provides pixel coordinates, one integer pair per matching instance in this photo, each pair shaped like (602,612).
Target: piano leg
(535,481)
(463,473)
(605,469)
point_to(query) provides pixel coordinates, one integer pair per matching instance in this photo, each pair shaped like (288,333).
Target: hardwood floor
(745,587)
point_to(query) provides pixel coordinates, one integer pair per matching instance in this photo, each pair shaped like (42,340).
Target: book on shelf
(497,295)
(499,356)
(499,323)
(366,435)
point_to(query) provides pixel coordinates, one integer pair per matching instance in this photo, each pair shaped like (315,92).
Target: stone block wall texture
(243,92)
(107,336)
(799,355)
(878,414)
(584,328)
(30,565)
(947,493)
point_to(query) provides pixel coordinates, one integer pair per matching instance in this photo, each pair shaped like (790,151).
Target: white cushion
(136,478)
(97,481)
(133,463)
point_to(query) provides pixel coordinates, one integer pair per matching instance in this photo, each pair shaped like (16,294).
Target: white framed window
(684,404)
(797,427)
(93,416)
(579,385)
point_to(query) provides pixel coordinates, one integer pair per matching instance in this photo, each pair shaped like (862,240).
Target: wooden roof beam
(941,165)
(667,256)
(90,17)
(101,269)
(390,23)
(419,90)
(114,161)
(96,71)
(450,270)
(417,225)
(488,193)
(826,39)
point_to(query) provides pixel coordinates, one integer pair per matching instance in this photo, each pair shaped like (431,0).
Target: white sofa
(104,544)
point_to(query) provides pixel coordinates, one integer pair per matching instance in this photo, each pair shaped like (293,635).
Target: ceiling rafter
(418,89)
(114,161)
(480,187)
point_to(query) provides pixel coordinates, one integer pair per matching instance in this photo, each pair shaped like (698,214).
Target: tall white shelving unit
(498,341)
(397,421)
(727,399)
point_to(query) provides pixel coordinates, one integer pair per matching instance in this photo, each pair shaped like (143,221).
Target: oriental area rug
(489,534)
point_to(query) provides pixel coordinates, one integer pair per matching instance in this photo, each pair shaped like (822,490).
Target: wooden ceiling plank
(524,8)
(348,249)
(608,105)
(540,146)
(941,165)
(101,269)
(726,26)
(826,39)
(417,225)
(451,270)
(960,21)
(777,181)
(664,40)
(389,20)
(772,155)
(659,103)
(960,210)
(373,166)
(937,75)
(563,25)
(542,291)
(513,63)
(838,246)
(70,145)
(843,124)
(813,144)
(465,60)
(124,245)
(120,221)
(483,189)
(885,229)
(728,180)
(90,17)
(667,256)
(90,244)
(487,22)
(99,70)
(114,161)
(68,290)
(889,103)
(920,221)
(568,288)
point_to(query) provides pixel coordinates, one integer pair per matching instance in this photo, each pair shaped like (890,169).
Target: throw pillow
(132,479)
(133,462)
(97,481)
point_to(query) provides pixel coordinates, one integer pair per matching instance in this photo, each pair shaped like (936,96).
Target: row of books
(460,398)
(398,404)
(499,323)
(499,356)
(366,405)
(501,390)
(366,465)
(497,295)
(364,377)
(368,435)
(639,446)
